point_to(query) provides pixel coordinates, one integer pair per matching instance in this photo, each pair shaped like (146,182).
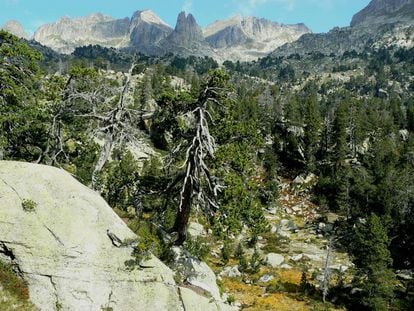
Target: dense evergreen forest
(218,141)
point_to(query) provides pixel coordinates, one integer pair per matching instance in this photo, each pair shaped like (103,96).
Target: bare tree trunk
(326,272)
(103,157)
(184,211)
(111,128)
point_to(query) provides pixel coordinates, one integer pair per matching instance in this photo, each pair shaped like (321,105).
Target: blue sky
(319,15)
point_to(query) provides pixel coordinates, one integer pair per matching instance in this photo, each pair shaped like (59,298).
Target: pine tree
(312,133)
(373,259)
(340,134)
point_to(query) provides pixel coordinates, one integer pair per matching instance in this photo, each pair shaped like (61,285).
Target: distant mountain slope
(66,34)
(385,11)
(381,24)
(248,38)
(239,38)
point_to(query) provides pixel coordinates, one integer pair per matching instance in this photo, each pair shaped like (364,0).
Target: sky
(319,15)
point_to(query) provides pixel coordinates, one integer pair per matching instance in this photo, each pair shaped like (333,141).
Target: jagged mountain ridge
(251,37)
(147,33)
(66,34)
(382,23)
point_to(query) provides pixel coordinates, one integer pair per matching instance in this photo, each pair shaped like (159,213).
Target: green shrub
(29,205)
(255,261)
(226,252)
(197,247)
(239,252)
(231,299)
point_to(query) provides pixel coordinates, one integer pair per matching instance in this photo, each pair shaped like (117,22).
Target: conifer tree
(374,261)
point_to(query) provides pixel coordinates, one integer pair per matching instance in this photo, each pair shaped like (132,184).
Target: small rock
(195,229)
(296,257)
(273,211)
(231,272)
(313,257)
(274,260)
(284,234)
(286,266)
(266,278)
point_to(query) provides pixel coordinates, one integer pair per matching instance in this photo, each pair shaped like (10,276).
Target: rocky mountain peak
(149,16)
(250,37)
(15,28)
(68,33)
(186,30)
(384,11)
(147,29)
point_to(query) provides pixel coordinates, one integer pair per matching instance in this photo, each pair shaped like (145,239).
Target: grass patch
(254,298)
(275,244)
(12,283)
(14,293)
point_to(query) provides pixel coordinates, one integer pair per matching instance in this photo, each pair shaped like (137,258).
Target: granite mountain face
(385,11)
(147,30)
(383,23)
(249,38)
(239,38)
(187,39)
(66,34)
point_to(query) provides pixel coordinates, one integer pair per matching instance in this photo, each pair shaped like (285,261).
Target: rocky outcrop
(73,250)
(67,34)
(248,38)
(187,31)
(187,39)
(384,11)
(15,28)
(147,30)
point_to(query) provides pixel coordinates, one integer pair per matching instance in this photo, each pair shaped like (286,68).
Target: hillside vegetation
(307,157)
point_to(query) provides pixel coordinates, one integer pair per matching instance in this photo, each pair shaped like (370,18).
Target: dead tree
(112,127)
(327,271)
(102,105)
(198,182)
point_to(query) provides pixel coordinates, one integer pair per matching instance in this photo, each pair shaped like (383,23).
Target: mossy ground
(14,293)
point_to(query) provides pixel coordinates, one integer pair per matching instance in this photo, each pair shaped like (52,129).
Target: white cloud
(187,6)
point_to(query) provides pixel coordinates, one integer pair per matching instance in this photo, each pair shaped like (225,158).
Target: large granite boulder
(66,242)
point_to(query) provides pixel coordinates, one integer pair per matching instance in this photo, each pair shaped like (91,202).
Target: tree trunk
(183,213)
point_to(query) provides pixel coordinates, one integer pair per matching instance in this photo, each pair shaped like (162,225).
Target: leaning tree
(198,185)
